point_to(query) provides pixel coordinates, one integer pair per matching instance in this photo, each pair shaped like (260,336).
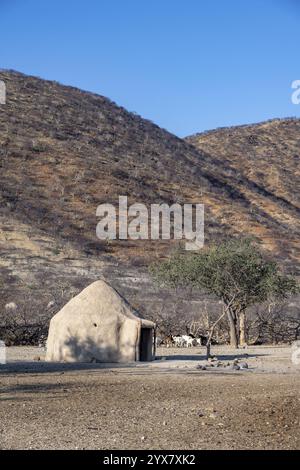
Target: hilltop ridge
(65,151)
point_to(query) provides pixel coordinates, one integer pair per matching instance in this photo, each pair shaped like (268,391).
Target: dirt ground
(166,404)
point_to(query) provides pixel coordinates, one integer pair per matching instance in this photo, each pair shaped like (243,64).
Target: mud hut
(98,325)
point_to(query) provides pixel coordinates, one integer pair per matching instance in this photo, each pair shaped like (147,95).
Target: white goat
(187,341)
(179,341)
(190,342)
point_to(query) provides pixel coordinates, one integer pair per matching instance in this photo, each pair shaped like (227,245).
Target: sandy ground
(166,404)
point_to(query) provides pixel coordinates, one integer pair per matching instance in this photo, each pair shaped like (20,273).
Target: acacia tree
(234,272)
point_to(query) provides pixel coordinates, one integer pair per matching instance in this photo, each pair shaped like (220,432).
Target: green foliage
(233,271)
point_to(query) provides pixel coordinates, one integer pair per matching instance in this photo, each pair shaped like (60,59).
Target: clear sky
(188,65)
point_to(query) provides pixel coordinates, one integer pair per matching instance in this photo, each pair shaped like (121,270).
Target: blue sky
(188,65)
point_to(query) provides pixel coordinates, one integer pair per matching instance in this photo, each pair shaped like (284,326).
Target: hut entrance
(146,345)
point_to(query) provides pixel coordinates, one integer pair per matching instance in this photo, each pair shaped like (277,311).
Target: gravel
(168,404)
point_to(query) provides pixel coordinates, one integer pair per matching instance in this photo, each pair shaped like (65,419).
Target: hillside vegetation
(65,151)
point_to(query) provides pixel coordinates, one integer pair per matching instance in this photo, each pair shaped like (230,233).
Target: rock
(243,365)
(99,325)
(51,304)
(212,359)
(211,409)
(11,307)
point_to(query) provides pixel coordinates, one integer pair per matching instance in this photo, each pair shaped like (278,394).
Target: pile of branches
(19,326)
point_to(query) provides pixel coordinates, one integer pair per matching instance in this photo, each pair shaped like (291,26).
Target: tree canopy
(235,272)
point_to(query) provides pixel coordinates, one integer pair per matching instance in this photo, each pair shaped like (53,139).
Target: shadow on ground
(169,364)
(24,392)
(198,357)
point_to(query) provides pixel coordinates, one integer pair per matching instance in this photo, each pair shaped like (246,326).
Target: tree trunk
(208,345)
(234,341)
(242,321)
(212,329)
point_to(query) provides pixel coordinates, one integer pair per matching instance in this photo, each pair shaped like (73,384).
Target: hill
(65,151)
(262,162)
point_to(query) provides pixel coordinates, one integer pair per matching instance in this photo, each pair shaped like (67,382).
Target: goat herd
(179,341)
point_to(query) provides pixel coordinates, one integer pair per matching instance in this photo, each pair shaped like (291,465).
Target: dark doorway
(146,344)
